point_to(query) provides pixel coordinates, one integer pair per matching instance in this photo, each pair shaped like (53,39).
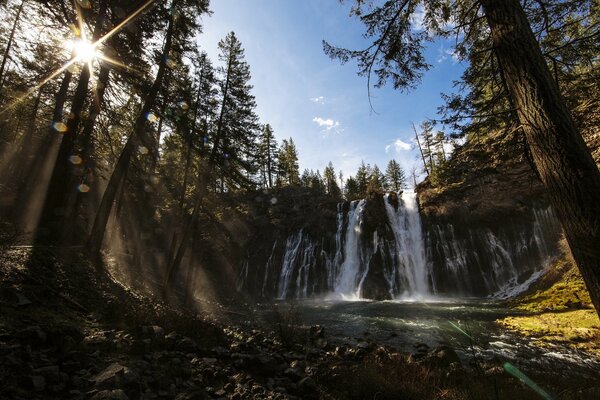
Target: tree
(268,155)
(362,177)
(140,136)
(560,156)
(377,180)
(331,186)
(395,176)
(352,190)
(234,146)
(289,171)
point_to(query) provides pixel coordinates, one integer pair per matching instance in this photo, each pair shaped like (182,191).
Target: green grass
(558,309)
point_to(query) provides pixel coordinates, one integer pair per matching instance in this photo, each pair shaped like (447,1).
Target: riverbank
(557,309)
(67,332)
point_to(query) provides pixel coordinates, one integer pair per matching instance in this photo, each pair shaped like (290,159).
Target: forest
(160,240)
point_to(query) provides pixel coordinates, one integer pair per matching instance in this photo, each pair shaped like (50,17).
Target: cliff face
(487,230)
(489,220)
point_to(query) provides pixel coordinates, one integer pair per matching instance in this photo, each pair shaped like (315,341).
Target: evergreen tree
(289,171)
(395,177)
(330,179)
(235,143)
(352,189)
(268,155)
(363,175)
(377,180)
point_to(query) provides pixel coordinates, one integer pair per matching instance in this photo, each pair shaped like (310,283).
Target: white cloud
(318,100)
(399,146)
(418,19)
(444,53)
(327,124)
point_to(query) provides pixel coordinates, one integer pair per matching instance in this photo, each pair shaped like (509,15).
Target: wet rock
(117,394)
(364,345)
(445,356)
(316,331)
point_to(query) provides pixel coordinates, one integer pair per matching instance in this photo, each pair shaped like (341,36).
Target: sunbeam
(84,50)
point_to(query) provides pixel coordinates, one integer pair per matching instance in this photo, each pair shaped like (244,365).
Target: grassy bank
(558,309)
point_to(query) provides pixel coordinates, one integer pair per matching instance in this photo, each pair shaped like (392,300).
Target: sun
(84,50)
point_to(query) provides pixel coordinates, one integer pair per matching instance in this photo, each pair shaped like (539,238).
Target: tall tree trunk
(175,261)
(11,38)
(87,135)
(560,155)
(137,136)
(30,130)
(420,149)
(60,191)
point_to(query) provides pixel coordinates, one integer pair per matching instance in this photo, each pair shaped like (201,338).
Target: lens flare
(83,188)
(152,118)
(60,127)
(75,160)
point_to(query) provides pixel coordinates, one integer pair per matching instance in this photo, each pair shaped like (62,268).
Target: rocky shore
(69,332)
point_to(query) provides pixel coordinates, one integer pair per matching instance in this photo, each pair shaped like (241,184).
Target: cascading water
(412,264)
(299,258)
(384,250)
(353,267)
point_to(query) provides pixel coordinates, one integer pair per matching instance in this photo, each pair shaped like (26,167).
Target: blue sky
(321,104)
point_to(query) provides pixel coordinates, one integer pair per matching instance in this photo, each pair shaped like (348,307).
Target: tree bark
(560,155)
(138,136)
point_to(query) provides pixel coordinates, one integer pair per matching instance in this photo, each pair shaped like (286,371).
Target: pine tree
(331,185)
(289,170)
(377,180)
(395,177)
(352,189)
(268,155)
(363,175)
(235,143)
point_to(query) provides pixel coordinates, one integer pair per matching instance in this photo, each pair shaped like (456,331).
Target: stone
(364,345)
(117,394)
(445,355)
(116,376)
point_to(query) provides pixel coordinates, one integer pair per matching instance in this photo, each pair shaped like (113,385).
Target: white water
(405,260)
(412,265)
(353,269)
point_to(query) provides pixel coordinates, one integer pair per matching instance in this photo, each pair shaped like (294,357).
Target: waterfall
(298,260)
(352,269)
(382,251)
(412,263)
